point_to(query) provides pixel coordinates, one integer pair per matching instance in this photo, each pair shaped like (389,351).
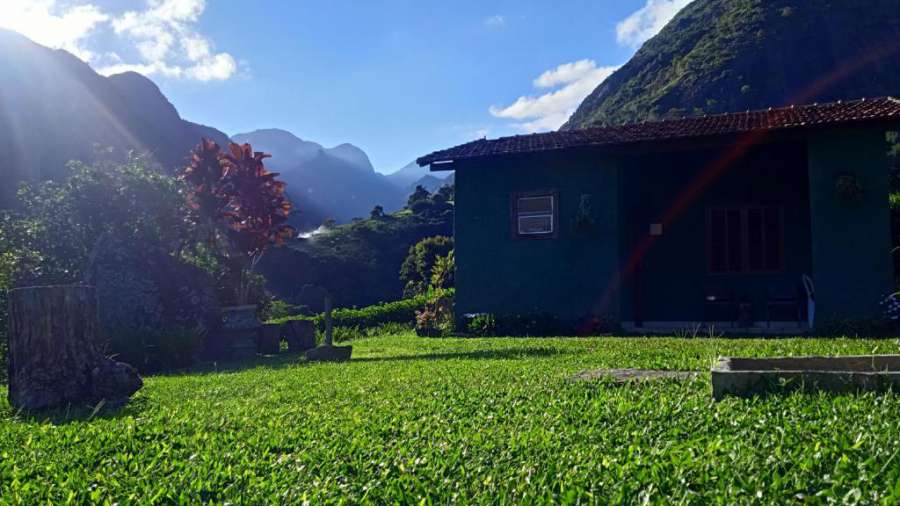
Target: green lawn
(414,420)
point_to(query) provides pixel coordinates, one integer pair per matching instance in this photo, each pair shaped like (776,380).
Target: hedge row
(400,311)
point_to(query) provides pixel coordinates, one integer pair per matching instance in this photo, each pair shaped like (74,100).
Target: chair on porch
(720,304)
(783,298)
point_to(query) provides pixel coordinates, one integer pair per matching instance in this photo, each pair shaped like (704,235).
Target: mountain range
(411,175)
(55,108)
(337,183)
(714,56)
(720,56)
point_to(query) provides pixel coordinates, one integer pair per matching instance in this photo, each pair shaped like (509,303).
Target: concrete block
(329,354)
(746,377)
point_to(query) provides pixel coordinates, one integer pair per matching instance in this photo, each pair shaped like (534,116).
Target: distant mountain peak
(138,89)
(274,133)
(336,182)
(353,155)
(408,175)
(287,149)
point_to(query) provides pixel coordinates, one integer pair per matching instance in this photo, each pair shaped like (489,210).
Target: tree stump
(53,357)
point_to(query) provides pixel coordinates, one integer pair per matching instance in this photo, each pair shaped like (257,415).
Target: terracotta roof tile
(793,117)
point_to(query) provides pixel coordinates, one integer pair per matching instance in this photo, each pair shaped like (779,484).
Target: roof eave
(441,165)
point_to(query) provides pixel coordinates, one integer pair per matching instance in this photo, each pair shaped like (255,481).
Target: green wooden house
(760,220)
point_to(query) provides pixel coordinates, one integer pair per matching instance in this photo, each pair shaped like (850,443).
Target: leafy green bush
(358,263)
(156,351)
(346,334)
(401,311)
(176,348)
(278,308)
(418,267)
(483,324)
(444,271)
(523,324)
(59,227)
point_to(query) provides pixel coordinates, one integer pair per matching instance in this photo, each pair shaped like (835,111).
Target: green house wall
(844,247)
(570,276)
(851,241)
(673,277)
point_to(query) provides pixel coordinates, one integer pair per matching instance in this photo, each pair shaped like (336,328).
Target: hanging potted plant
(242,210)
(848,187)
(584,218)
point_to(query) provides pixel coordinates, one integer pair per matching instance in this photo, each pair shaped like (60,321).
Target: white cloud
(495,21)
(550,110)
(159,39)
(647,21)
(44,22)
(168,44)
(566,73)
(217,67)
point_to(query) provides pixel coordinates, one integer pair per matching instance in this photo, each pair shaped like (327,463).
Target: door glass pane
(735,240)
(717,244)
(774,232)
(755,240)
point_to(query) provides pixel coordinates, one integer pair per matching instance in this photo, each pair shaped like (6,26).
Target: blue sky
(399,78)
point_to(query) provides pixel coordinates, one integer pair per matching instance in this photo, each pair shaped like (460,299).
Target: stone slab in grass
(746,377)
(628,375)
(325,353)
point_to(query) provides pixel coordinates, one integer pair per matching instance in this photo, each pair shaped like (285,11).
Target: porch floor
(700,329)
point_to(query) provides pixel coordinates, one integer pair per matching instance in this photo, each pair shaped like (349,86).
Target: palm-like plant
(240,205)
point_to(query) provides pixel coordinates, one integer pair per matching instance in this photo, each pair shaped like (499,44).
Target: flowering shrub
(483,324)
(436,318)
(890,307)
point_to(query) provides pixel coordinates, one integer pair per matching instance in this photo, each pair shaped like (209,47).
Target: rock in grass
(326,353)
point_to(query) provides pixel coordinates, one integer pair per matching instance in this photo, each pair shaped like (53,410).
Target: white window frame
(531,214)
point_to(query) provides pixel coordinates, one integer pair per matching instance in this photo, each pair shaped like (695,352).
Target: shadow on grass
(500,354)
(285,360)
(279,361)
(135,405)
(82,413)
(104,411)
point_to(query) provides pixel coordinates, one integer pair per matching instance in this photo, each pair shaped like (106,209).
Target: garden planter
(300,335)
(746,377)
(269,339)
(240,330)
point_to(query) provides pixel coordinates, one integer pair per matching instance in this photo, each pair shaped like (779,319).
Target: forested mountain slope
(731,55)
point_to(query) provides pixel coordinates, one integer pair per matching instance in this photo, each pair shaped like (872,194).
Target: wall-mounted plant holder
(848,188)
(584,218)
